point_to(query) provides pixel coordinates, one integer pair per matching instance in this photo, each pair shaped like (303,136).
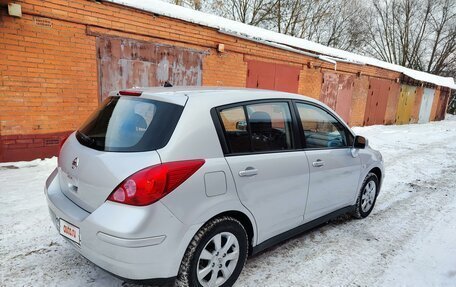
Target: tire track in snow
(350,252)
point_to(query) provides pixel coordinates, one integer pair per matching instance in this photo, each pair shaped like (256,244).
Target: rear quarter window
(235,128)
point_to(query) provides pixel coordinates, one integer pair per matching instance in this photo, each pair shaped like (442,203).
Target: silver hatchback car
(182,184)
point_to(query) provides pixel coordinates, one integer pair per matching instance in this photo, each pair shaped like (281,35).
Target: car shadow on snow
(311,233)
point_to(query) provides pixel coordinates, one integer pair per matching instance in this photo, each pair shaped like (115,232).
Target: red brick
(24,141)
(49,77)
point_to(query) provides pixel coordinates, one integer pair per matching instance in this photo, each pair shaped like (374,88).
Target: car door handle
(250,171)
(318,163)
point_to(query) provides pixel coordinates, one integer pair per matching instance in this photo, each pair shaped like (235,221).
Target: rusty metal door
(393,99)
(426,105)
(126,63)
(377,100)
(359,100)
(406,104)
(272,76)
(442,105)
(329,89)
(414,117)
(344,96)
(337,93)
(435,104)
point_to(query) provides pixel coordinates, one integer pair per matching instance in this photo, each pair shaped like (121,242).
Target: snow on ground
(409,239)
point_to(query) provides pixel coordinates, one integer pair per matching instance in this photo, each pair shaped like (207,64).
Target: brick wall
(218,69)
(310,82)
(30,146)
(48,82)
(48,66)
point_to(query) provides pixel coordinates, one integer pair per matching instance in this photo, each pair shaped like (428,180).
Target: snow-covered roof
(260,34)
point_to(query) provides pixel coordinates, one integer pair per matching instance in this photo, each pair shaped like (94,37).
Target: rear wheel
(216,255)
(367,196)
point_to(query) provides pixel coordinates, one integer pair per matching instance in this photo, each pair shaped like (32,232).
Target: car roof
(215,95)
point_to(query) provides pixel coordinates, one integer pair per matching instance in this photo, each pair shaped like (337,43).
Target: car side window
(235,128)
(268,127)
(321,129)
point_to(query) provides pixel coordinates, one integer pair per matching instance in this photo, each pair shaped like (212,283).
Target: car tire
(203,254)
(367,196)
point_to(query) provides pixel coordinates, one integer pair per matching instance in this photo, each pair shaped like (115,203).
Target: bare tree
(194,4)
(252,12)
(419,34)
(442,57)
(334,23)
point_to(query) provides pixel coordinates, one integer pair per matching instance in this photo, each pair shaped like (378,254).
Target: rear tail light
(153,183)
(130,93)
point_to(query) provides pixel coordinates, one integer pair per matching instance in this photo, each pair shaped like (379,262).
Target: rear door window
(130,124)
(262,127)
(270,126)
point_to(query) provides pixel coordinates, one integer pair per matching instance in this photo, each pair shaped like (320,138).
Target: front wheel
(216,255)
(367,196)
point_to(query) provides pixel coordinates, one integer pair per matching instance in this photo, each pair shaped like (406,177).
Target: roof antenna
(167,85)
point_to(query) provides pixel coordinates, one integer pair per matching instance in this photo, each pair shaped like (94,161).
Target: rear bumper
(136,243)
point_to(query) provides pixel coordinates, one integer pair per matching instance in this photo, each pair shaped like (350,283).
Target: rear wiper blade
(87,138)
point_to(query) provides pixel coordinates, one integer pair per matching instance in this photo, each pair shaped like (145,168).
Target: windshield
(130,124)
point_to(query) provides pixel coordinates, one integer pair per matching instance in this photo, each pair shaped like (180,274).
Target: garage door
(426,105)
(337,92)
(414,117)
(377,100)
(393,99)
(126,63)
(344,96)
(406,104)
(329,89)
(272,76)
(442,105)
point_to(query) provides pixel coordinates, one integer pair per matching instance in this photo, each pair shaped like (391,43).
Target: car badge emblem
(75,163)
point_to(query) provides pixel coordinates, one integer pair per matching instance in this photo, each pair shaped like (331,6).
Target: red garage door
(271,76)
(377,100)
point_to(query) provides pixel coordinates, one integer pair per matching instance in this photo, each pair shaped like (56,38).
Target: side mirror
(241,125)
(360,142)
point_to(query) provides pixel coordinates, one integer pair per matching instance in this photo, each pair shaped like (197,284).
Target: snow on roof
(260,34)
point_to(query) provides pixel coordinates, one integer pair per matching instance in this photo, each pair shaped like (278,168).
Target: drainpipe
(324,58)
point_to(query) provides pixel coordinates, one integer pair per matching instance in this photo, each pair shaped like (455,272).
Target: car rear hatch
(117,140)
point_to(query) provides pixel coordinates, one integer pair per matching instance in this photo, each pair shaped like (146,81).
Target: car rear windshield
(130,124)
